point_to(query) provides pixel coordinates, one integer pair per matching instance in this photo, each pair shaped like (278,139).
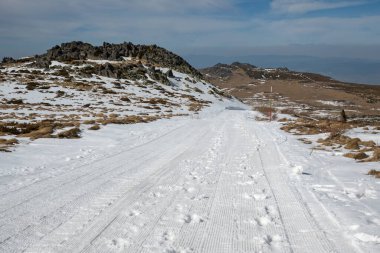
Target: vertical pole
(270,110)
(270,104)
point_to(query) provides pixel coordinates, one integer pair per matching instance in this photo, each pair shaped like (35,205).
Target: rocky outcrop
(8,60)
(151,54)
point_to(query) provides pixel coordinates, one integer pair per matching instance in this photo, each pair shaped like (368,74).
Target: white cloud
(157,6)
(180,5)
(304,6)
(175,24)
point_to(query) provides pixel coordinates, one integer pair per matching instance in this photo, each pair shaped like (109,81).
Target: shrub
(15,101)
(155,101)
(374,173)
(60,93)
(41,132)
(89,122)
(375,156)
(357,156)
(32,85)
(72,133)
(125,99)
(12,141)
(94,127)
(63,73)
(352,144)
(198,90)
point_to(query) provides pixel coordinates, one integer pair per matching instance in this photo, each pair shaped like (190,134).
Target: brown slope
(246,81)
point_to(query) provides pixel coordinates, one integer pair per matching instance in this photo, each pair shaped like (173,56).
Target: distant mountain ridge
(226,72)
(343,69)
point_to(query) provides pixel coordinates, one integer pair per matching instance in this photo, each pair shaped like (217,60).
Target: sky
(331,28)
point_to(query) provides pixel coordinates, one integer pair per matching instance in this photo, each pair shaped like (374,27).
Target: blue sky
(339,28)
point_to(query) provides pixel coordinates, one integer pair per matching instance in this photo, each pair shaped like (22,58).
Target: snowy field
(220,182)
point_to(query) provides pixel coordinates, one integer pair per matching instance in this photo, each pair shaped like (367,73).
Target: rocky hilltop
(77,52)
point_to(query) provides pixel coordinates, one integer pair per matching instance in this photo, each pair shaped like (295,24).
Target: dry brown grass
(356,156)
(336,139)
(283,120)
(306,141)
(347,142)
(32,85)
(198,90)
(375,155)
(94,127)
(353,144)
(264,109)
(7,142)
(311,127)
(80,86)
(155,101)
(374,173)
(195,107)
(15,101)
(267,112)
(89,122)
(36,130)
(125,99)
(133,119)
(289,111)
(41,132)
(73,133)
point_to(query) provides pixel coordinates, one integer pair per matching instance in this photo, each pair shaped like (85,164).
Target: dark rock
(77,50)
(107,70)
(170,73)
(343,116)
(8,60)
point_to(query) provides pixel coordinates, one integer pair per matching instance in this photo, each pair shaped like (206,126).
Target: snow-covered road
(226,183)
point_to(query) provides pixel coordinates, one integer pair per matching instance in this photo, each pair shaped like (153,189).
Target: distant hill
(343,69)
(255,85)
(232,73)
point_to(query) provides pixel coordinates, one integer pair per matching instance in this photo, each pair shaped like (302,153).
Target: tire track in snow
(93,229)
(303,231)
(84,166)
(44,219)
(68,168)
(217,186)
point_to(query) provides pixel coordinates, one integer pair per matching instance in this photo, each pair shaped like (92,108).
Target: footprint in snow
(178,250)
(270,240)
(250,182)
(200,197)
(263,221)
(256,196)
(119,243)
(256,176)
(134,213)
(270,210)
(189,189)
(168,236)
(191,218)
(156,194)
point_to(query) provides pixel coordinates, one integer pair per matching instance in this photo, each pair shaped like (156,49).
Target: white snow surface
(221,182)
(333,103)
(365,135)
